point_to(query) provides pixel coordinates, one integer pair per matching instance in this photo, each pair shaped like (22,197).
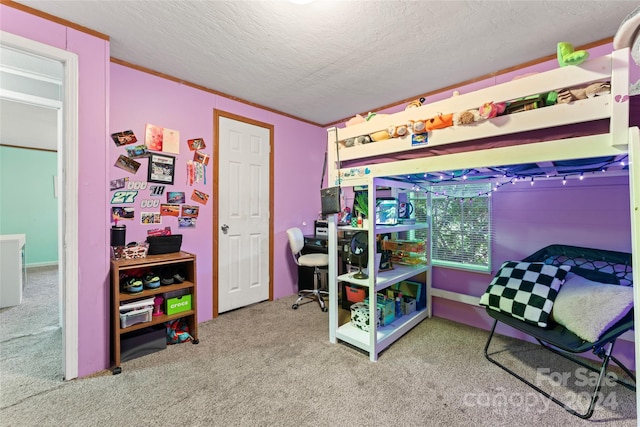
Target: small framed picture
(161,168)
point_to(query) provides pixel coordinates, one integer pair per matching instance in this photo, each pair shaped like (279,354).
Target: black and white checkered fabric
(525,290)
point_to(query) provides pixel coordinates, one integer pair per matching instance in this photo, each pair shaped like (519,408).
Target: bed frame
(594,264)
(358,165)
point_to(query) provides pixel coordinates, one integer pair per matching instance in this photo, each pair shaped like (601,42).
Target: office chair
(296,243)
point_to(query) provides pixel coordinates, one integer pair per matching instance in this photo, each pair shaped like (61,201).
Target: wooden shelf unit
(188,263)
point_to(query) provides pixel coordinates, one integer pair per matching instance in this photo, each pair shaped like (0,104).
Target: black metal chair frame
(595,265)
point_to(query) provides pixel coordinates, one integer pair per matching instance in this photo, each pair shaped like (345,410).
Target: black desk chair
(317,261)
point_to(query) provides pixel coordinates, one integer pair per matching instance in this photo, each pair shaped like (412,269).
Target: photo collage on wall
(158,197)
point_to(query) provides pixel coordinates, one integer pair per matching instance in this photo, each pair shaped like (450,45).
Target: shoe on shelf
(151,281)
(132,285)
(178,278)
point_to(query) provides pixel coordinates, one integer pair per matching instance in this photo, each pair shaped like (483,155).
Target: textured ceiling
(328,60)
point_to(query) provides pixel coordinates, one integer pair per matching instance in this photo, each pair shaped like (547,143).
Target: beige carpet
(269,365)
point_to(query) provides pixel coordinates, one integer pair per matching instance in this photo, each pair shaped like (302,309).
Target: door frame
(215,220)
(68,198)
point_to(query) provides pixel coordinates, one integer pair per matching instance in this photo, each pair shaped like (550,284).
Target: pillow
(525,290)
(589,308)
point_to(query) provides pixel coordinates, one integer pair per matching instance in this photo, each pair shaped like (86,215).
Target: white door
(243,214)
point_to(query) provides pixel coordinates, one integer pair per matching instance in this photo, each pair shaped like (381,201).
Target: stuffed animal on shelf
(568,56)
(417,126)
(397,131)
(468,117)
(415,103)
(358,140)
(489,110)
(574,94)
(357,119)
(440,121)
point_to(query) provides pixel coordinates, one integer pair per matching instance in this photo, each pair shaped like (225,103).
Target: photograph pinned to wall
(167,209)
(186,222)
(190,211)
(161,169)
(200,197)
(159,231)
(119,213)
(162,139)
(201,157)
(196,144)
(150,218)
(137,151)
(125,137)
(127,164)
(119,183)
(175,197)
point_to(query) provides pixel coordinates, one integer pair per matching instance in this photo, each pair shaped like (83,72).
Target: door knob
(225,228)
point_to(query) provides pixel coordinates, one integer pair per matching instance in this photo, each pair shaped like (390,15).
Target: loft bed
(603,127)
(599,126)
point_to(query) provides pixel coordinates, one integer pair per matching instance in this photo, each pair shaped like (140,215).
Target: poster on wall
(121,213)
(162,139)
(150,218)
(161,169)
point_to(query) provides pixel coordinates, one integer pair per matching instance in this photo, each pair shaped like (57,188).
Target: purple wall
(138,98)
(93,258)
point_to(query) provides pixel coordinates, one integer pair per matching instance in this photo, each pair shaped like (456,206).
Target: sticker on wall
(162,139)
(121,213)
(169,210)
(124,196)
(137,151)
(156,190)
(119,183)
(125,137)
(175,197)
(196,144)
(136,185)
(127,164)
(159,231)
(150,218)
(190,211)
(150,203)
(200,197)
(186,222)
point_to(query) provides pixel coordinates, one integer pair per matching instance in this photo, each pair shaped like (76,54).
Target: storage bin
(138,251)
(405,245)
(178,304)
(354,294)
(408,305)
(414,290)
(360,316)
(387,308)
(142,342)
(134,317)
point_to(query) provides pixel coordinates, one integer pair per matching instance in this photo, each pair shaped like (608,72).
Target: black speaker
(330,198)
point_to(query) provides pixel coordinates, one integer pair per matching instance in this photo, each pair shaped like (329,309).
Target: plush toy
(415,103)
(573,94)
(490,110)
(379,136)
(468,117)
(417,126)
(439,122)
(568,56)
(397,131)
(357,119)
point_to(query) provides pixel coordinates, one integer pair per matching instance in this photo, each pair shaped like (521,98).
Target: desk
(11,269)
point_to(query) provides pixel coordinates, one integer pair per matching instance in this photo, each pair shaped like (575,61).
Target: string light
(581,176)
(532,181)
(564,180)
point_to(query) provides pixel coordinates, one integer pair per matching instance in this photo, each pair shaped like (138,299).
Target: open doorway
(20,89)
